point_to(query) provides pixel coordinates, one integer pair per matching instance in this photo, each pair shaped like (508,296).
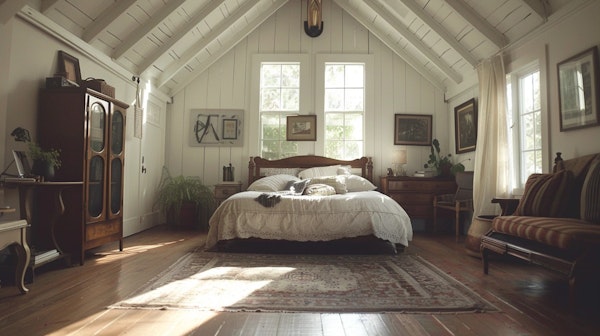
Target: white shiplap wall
(226,85)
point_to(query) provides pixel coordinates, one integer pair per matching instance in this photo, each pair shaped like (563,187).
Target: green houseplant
(45,162)
(181,197)
(442,164)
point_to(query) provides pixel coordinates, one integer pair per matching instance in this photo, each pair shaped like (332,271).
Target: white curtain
(492,163)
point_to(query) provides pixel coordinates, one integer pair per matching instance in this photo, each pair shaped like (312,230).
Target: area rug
(300,283)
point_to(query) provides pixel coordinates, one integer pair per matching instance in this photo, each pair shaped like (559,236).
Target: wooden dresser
(415,194)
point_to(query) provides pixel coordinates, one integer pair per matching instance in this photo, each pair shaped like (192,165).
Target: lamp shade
(399,156)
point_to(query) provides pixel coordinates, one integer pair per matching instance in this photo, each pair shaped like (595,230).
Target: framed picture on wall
(412,129)
(578,91)
(301,128)
(68,66)
(216,128)
(465,126)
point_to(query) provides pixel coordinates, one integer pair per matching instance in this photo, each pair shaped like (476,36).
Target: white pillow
(357,183)
(337,182)
(319,171)
(272,183)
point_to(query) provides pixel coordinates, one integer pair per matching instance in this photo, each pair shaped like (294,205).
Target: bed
(338,202)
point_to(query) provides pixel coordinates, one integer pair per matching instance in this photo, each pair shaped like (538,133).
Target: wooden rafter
(473,18)
(105,19)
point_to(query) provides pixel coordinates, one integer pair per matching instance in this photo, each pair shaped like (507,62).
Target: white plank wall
(226,85)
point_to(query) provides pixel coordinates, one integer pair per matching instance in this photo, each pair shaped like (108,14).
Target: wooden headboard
(307,161)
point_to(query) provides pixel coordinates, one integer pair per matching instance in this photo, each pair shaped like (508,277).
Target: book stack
(42,256)
(424,173)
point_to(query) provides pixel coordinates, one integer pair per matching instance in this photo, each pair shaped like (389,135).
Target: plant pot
(185,216)
(43,169)
(479,227)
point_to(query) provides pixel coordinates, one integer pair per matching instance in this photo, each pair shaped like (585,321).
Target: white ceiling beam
(237,38)
(440,30)
(146,28)
(473,18)
(387,40)
(415,41)
(105,19)
(197,48)
(48,5)
(9,8)
(191,24)
(538,7)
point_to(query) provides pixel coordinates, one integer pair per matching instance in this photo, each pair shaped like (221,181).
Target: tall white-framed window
(344,83)
(526,124)
(280,91)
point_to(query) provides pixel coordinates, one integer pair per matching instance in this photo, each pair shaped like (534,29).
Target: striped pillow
(590,194)
(545,195)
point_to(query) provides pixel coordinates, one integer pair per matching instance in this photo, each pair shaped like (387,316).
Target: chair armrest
(508,205)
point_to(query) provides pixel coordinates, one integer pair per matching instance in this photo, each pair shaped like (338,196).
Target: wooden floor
(72,301)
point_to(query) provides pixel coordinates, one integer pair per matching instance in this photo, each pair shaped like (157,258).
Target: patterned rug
(295,283)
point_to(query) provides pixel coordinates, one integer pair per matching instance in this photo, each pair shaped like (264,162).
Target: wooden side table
(14,234)
(225,189)
(415,194)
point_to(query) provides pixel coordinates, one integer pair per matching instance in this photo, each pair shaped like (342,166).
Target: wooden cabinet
(415,194)
(89,129)
(224,190)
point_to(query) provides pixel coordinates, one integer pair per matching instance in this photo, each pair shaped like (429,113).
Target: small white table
(14,233)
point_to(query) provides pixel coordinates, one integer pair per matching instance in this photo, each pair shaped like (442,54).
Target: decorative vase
(445,170)
(43,169)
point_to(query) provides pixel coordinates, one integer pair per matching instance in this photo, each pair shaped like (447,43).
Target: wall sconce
(399,160)
(313,27)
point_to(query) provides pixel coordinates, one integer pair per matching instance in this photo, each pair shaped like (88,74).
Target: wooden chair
(461,201)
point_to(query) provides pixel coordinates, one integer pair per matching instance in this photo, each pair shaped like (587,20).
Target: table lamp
(399,160)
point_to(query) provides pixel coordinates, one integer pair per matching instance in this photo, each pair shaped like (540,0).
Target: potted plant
(442,164)
(45,162)
(181,197)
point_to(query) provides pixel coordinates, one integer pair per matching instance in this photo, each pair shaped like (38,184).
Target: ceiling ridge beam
(9,8)
(473,18)
(147,27)
(164,48)
(440,30)
(106,18)
(410,60)
(237,38)
(414,40)
(538,7)
(197,48)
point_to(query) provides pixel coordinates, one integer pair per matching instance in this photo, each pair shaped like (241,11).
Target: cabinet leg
(23,255)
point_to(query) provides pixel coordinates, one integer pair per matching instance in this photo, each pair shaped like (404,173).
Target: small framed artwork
(412,129)
(578,91)
(465,126)
(301,128)
(68,66)
(230,129)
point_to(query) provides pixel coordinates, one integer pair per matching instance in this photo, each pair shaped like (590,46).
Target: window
(279,97)
(525,123)
(344,108)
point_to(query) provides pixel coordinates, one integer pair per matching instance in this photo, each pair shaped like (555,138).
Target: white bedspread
(311,218)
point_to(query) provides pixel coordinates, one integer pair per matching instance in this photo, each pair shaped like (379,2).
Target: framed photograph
(216,128)
(578,91)
(412,129)
(465,126)
(301,128)
(68,66)
(230,129)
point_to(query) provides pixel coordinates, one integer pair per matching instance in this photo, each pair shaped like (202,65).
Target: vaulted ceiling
(170,42)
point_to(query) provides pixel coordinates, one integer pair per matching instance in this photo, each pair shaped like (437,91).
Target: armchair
(461,201)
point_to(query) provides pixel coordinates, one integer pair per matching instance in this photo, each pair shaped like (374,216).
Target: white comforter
(311,218)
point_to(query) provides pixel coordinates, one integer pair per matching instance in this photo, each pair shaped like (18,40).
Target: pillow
(344,170)
(590,194)
(319,190)
(272,183)
(545,195)
(357,183)
(337,182)
(297,187)
(318,171)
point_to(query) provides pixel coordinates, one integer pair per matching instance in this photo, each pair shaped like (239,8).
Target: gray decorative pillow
(590,194)
(337,182)
(297,187)
(319,190)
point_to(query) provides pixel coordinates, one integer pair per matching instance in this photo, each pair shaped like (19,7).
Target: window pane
(334,126)
(352,150)
(290,99)
(334,76)
(354,126)
(354,100)
(270,75)
(334,149)
(269,99)
(334,99)
(290,74)
(354,75)
(528,132)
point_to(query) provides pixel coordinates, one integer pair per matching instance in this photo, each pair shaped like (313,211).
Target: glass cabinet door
(96,159)
(117,133)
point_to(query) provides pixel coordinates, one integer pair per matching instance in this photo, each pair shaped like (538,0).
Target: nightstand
(415,194)
(225,189)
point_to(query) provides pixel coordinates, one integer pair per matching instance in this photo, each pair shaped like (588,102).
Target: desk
(43,213)
(13,233)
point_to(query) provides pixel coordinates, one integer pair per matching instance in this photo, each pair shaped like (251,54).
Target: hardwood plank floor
(73,300)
